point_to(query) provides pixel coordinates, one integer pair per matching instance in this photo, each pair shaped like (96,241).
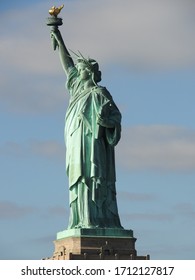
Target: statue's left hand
(104,122)
(56,35)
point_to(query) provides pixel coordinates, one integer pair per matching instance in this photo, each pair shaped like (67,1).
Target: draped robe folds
(90,163)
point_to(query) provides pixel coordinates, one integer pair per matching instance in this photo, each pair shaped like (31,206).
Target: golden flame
(54,11)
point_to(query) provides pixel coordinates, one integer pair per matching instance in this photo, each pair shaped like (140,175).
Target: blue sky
(146,51)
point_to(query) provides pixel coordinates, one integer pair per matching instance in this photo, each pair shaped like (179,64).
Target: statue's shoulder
(71,78)
(72,72)
(103,90)
(100,89)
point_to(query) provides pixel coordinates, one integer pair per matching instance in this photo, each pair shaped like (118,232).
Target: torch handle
(54,42)
(54,22)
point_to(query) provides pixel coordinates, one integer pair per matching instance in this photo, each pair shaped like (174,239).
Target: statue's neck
(88,84)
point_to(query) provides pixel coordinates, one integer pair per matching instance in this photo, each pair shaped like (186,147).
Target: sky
(146,52)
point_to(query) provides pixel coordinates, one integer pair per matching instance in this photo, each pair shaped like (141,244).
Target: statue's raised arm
(66,60)
(54,21)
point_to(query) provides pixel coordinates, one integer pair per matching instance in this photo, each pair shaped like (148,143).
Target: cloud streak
(11,210)
(49,149)
(157,147)
(186,210)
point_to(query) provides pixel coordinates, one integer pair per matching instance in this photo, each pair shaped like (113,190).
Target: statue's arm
(110,116)
(105,122)
(66,60)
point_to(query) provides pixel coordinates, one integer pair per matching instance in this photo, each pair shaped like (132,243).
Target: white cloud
(29,93)
(48,149)
(11,210)
(185,209)
(145,33)
(157,34)
(25,42)
(31,81)
(157,147)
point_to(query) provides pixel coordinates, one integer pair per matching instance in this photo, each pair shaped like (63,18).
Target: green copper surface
(101,232)
(92,129)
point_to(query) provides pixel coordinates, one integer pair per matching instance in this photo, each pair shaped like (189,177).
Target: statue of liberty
(92,130)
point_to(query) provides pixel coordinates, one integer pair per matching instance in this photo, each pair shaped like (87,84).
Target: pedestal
(95,244)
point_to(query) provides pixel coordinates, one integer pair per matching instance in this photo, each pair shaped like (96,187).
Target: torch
(54,21)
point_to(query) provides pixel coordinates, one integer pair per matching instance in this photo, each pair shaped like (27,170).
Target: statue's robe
(90,162)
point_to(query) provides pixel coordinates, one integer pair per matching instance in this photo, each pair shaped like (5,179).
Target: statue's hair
(92,66)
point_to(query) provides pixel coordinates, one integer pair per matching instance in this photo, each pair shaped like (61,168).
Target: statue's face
(83,71)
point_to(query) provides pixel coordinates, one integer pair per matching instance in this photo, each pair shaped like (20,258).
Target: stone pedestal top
(95,232)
